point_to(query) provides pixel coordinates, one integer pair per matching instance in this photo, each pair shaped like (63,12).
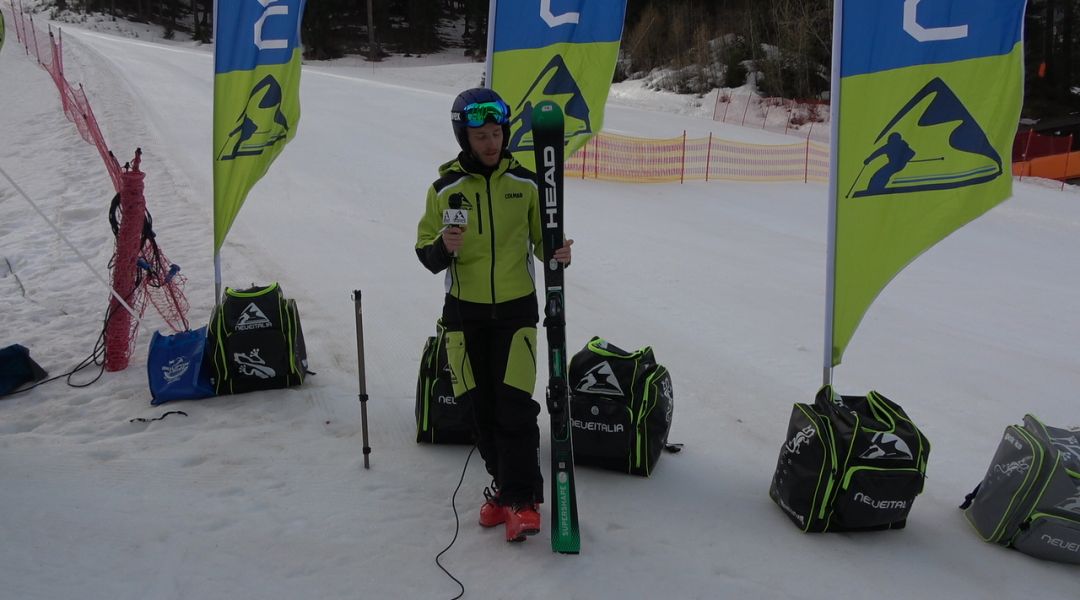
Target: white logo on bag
(670,408)
(1070,504)
(886,445)
(1068,445)
(666,386)
(801,438)
(597,426)
(1016,466)
(252,318)
(600,380)
(880,504)
(1016,443)
(1060,543)
(252,364)
(175,369)
(791,511)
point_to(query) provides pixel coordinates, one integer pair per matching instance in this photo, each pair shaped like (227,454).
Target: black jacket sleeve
(434,256)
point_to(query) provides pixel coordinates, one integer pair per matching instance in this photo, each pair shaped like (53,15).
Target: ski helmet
(476,107)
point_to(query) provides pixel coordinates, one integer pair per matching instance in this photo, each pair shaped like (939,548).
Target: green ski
(548,144)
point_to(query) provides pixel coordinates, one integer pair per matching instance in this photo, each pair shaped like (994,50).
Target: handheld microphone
(457,215)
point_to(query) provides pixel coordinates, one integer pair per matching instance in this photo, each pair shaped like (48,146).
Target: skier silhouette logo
(932,143)
(251,364)
(261,125)
(554,82)
(899,154)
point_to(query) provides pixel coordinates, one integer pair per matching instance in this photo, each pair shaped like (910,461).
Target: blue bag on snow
(17,368)
(178,367)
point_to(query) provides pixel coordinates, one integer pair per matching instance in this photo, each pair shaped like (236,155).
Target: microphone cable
(453,498)
(457,526)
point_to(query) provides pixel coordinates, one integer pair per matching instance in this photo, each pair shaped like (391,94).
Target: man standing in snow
(480,225)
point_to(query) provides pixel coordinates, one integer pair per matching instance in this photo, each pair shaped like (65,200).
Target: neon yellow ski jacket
(494,264)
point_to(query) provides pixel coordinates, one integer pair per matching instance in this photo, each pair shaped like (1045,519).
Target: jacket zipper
(480,214)
(491,232)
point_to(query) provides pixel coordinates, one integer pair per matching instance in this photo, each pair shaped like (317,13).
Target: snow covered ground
(265,495)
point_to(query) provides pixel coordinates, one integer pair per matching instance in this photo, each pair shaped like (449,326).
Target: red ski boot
(491,512)
(522,520)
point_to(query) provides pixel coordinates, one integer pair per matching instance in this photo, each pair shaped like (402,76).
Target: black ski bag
(441,418)
(849,463)
(1029,498)
(621,406)
(257,341)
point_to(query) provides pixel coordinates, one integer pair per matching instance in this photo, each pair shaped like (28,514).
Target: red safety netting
(141,273)
(47,49)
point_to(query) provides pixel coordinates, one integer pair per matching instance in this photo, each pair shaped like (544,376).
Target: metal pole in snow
(362,376)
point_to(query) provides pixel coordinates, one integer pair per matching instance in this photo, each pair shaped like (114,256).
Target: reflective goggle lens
(478,113)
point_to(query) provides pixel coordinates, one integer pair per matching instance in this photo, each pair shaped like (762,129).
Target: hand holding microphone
(456,221)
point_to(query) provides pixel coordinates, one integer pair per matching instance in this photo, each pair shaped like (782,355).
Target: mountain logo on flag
(261,125)
(556,83)
(933,143)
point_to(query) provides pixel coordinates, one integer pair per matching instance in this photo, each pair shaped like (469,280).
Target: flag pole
(492,5)
(213,171)
(834,117)
(217,277)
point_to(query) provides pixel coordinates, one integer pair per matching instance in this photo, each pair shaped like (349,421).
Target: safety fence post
(584,154)
(682,175)
(596,159)
(708,157)
(118,327)
(1024,156)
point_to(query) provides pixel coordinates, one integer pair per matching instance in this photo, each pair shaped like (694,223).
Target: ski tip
(546,110)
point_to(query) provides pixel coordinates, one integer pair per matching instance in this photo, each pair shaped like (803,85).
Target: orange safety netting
(612,157)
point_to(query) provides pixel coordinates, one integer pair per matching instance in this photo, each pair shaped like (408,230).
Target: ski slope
(265,495)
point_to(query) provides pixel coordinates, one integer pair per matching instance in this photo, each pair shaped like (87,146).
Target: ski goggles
(479,113)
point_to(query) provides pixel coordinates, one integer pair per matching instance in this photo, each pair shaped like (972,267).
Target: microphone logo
(457,217)
(458,213)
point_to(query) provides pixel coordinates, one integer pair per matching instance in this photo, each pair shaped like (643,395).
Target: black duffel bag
(257,341)
(441,418)
(849,463)
(620,408)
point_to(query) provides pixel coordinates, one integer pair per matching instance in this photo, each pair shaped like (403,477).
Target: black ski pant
(496,367)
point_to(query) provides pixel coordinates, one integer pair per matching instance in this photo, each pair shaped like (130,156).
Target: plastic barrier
(611,157)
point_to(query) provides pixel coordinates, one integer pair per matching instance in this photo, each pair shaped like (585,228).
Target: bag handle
(602,347)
